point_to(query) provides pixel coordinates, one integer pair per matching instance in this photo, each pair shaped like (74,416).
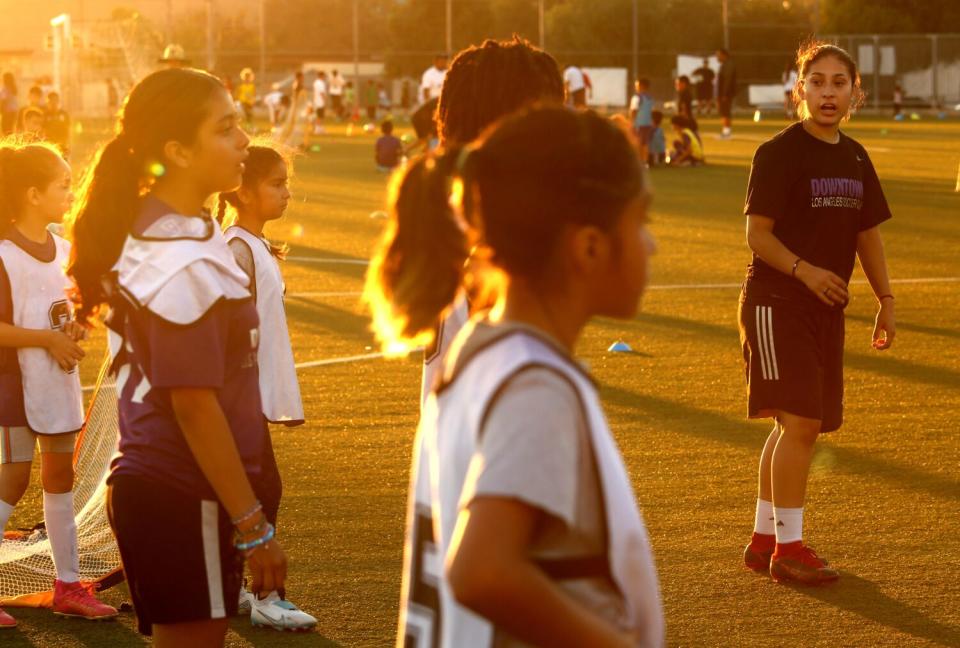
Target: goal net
(26,562)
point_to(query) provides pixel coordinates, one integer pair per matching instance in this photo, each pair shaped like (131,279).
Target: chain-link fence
(925,66)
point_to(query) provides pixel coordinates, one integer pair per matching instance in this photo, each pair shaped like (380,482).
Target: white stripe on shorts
(763,356)
(772,346)
(210,526)
(768,350)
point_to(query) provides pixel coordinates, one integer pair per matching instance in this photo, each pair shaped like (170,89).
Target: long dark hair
(489,81)
(258,165)
(508,197)
(169,105)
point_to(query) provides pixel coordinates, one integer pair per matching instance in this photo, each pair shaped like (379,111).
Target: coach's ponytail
(165,106)
(419,264)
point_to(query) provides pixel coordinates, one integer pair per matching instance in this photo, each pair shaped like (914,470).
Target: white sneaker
(274,612)
(244,606)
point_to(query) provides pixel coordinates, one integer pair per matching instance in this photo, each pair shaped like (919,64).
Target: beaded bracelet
(257,528)
(249,514)
(262,540)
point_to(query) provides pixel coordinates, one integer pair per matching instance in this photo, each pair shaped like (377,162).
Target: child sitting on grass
(389,148)
(687,148)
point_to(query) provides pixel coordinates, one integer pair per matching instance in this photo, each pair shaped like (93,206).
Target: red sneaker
(757,554)
(75,600)
(797,562)
(6,621)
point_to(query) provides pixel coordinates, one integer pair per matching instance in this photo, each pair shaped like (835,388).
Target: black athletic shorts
(177,553)
(793,359)
(321,111)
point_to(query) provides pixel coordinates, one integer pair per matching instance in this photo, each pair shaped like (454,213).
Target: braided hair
(493,80)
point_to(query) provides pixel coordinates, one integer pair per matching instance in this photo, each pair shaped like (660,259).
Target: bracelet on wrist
(793,273)
(249,514)
(258,542)
(254,530)
(880,298)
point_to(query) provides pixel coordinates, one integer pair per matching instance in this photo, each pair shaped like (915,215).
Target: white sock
(789,524)
(62,531)
(6,510)
(764,522)
(726,130)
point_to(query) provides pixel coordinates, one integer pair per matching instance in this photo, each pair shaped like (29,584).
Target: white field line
(702,286)
(308,259)
(705,286)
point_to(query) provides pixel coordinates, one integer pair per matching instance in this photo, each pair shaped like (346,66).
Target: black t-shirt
(821,196)
(423,121)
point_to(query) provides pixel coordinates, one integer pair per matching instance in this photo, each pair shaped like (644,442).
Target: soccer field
(884,495)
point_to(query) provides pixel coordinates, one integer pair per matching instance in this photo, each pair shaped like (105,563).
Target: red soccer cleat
(757,554)
(6,621)
(797,562)
(75,600)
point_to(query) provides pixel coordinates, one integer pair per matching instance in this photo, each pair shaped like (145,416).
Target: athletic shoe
(6,621)
(274,612)
(802,564)
(75,600)
(757,554)
(244,605)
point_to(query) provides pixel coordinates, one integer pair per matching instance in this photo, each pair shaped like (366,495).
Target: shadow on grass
(910,326)
(664,414)
(350,268)
(344,323)
(864,598)
(42,629)
(266,638)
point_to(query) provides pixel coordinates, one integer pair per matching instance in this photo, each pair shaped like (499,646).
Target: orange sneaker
(757,554)
(800,563)
(6,621)
(75,600)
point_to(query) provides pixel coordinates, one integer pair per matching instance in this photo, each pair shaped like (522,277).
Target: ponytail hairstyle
(23,166)
(490,81)
(506,199)
(169,105)
(261,161)
(812,51)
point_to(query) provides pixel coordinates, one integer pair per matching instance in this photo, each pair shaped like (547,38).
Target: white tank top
(446,440)
(279,389)
(52,397)
(450,326)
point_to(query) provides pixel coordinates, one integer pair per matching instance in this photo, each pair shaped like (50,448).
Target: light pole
(726,24)
(211,59)
(356,47)
(541,25)
(263,40)
(449,27)
(636,42)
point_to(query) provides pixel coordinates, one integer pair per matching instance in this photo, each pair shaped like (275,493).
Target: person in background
(405,100)
(56,125)
(687,148)
(370,99)
(685,100)
(336,91)
(575,85)
(389,148)
(319,101)
(247,95)
(432,81)
(704,76)
(34,101)
(274,103)
(9,103)
(113,97)
(33,119)
(384,99)
(641,108)
(657,148)
(789,79)
(726,91)
(897,99)
(348,101)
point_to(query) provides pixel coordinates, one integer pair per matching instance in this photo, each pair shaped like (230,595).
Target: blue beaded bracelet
(262,540)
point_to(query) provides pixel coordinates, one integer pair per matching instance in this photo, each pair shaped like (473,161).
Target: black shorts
(725,106)
(793,359)
(320,112)
(177,553)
